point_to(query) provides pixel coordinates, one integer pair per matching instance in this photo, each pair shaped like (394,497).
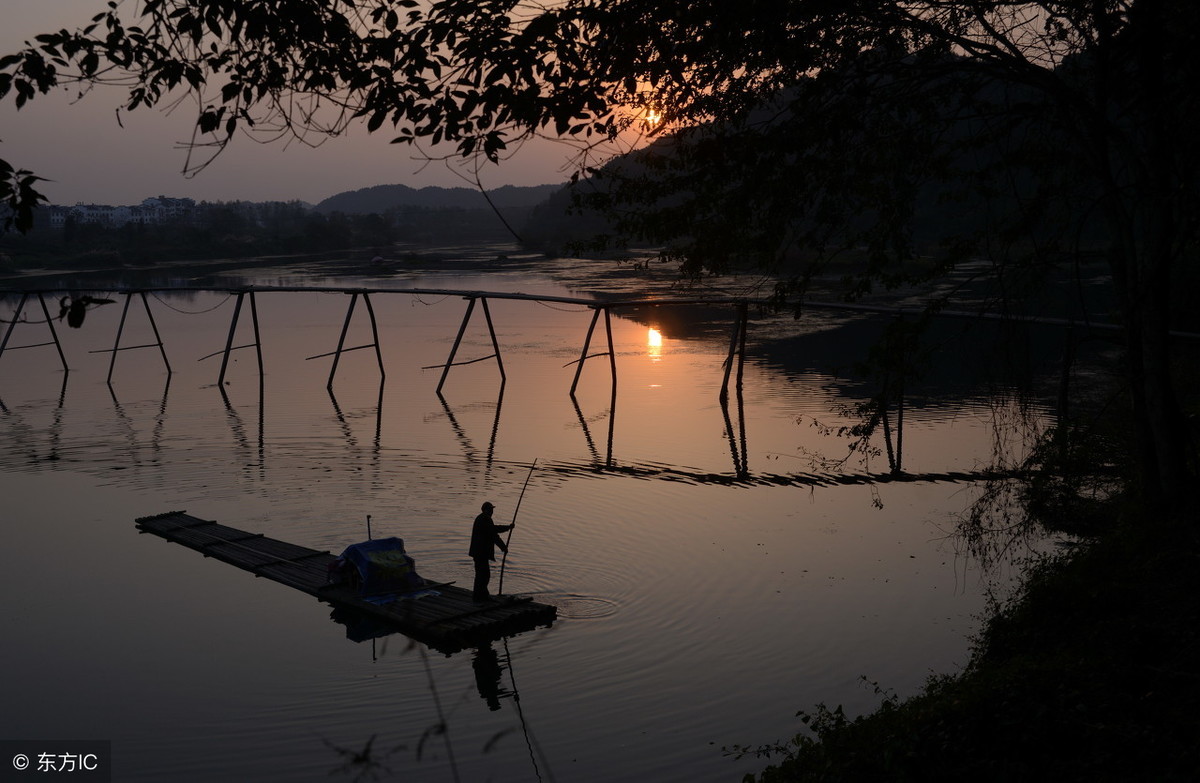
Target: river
(715,568)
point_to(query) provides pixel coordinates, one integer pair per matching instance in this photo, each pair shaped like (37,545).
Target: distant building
(152,211)
(163,208)
(58,215)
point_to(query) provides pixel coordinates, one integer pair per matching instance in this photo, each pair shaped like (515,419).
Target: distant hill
(382,198)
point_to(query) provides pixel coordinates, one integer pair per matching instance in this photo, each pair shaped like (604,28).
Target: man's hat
(487,506)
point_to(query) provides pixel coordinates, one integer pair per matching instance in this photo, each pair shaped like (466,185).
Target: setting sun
(653,117)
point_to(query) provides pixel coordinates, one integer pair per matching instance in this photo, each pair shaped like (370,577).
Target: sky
(89,157)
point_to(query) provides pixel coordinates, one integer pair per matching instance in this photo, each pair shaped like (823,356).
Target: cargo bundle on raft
(374,579)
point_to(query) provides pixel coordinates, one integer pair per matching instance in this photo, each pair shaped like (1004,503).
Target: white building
(158,209)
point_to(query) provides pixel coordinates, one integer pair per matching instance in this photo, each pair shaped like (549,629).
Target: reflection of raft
(438,614)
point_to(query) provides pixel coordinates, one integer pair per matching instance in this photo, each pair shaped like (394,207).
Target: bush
(1089,673)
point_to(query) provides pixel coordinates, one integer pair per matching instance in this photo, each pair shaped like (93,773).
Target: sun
(653,117)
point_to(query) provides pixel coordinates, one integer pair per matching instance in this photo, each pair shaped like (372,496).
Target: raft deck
(447,620)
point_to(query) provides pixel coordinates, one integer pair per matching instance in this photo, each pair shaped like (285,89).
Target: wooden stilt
(462,328)
(612,362)
(237,310)
(737,348)
(112,361)
(49,322)
(583,355)
(612,407)
(53,332)
(337,355)
(612,352)
(902,360)
(257,338)
(158,343)
(157,338)
(743,320)
(375,337)
(378,422)
(13,323)
(487,315)
(458,341)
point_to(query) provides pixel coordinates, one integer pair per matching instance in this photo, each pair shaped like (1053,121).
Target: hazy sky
(91,158)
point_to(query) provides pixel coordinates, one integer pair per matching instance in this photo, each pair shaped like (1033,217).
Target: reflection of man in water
(485,537)
(487,675)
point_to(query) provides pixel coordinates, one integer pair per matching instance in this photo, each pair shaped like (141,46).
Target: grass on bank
(1091,672)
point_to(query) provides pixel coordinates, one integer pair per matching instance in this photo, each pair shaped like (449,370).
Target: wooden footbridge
(734,360)
(244,293)
(444,617)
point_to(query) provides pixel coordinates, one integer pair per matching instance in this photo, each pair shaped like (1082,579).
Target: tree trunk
(1164,420)
(1136,148)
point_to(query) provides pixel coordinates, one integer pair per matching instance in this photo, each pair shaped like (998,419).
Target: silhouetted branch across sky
(791,132)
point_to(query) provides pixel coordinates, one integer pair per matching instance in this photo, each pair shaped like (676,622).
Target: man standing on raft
(485,537)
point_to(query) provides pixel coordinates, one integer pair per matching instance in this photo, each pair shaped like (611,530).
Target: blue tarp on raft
(381,566)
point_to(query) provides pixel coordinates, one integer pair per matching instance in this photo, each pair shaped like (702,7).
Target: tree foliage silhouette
(791,129)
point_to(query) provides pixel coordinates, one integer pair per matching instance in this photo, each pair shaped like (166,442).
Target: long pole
(504,559)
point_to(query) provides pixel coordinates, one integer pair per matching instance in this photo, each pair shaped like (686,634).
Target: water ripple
(580,607)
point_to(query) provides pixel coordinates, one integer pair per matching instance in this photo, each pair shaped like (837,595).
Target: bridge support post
(237,309)
(112,362)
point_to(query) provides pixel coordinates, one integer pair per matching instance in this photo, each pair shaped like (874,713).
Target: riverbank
(629,274)
(1089,673)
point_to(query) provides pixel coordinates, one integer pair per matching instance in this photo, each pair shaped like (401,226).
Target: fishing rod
(504,560)
(530,743)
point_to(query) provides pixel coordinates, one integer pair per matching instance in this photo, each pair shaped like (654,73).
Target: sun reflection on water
(654,344)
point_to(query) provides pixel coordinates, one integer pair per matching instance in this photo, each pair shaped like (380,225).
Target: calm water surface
(702,601)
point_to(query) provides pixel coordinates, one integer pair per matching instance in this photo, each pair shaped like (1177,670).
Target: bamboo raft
(446,620)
